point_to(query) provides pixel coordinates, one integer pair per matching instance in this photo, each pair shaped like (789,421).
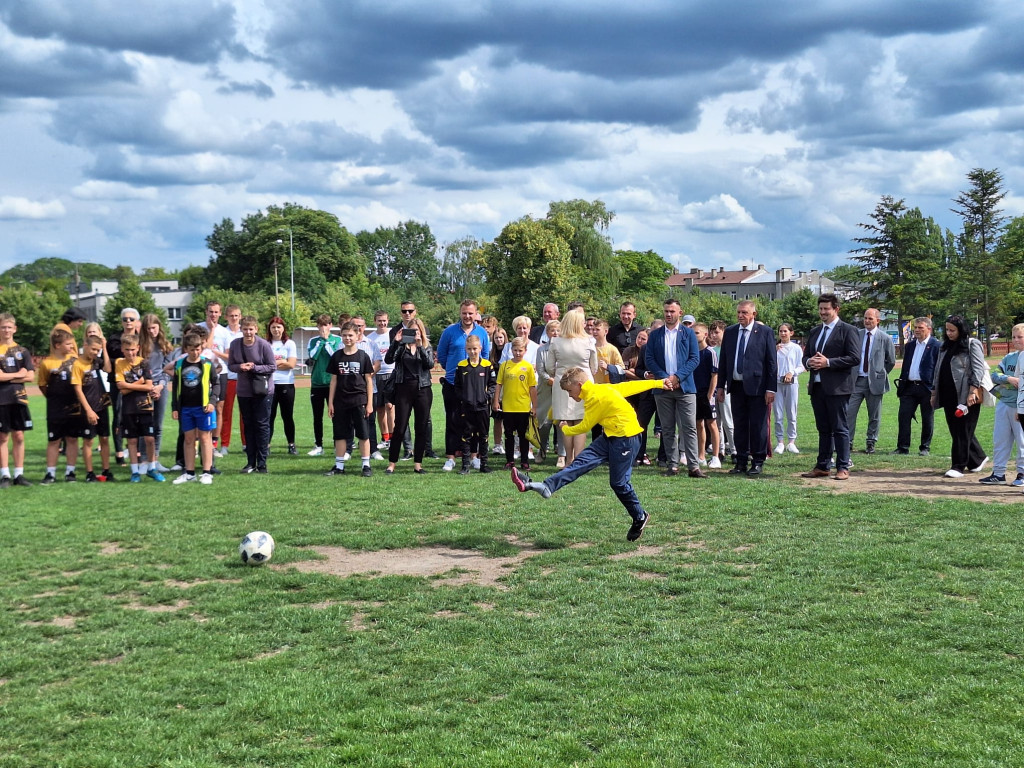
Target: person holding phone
(413,359)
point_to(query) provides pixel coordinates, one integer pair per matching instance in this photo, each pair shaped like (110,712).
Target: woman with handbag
(252,358)
(957,386)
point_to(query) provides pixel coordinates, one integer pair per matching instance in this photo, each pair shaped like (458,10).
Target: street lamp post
(291,261)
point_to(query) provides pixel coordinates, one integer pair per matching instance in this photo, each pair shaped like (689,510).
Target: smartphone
(408,335)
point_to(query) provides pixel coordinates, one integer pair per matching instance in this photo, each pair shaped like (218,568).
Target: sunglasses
(408,311)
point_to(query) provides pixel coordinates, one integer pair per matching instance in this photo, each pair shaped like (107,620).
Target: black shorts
(100,429)
(15,418)
(347,421)
(385,390)
(135,425)
(63,427)
(706,410)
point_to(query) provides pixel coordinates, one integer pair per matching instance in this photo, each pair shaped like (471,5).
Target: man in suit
(672,353)
(539,334)
(877,358)
(914,386)
(747,370)
(832,356)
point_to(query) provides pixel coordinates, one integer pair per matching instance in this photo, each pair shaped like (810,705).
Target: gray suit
(872,385)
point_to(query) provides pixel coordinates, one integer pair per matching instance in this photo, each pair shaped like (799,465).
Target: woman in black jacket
(413,394)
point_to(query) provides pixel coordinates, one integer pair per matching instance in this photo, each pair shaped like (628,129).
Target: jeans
(620,453)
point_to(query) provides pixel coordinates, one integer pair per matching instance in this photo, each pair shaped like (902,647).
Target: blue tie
(742,351)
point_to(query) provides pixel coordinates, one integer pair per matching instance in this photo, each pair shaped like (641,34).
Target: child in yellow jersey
(516,397)
(135,383)
(604,404)
(63,413)
(16,370)
(85,380)
(609,361)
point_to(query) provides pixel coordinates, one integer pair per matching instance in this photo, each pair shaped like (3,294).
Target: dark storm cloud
(394,45)
(196,31)
(257,88)
(69,71)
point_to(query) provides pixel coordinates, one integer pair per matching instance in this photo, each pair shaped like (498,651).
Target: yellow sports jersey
(515,380)
(606,404)
(610,356)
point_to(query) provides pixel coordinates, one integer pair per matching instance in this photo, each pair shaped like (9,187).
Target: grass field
(761,622)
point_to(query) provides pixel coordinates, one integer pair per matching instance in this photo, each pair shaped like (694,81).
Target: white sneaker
(702,462)
(218,453)
(517,455)
(498,450)
(183,478)
(715,463)
(206,478)
(177,468)
(954,473)
(376,456)
(449,465)
(475,463)
(317,451)
(531,456)
(981,466)
(347,456)
(792,448)
(682,458)
(383,445)
(780,448)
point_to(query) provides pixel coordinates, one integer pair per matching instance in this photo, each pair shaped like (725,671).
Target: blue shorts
(196,417)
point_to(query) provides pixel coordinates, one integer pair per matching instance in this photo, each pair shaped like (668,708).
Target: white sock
(69,469)
(143,467)
(51,471)
(366,461)
(19,471)
(338,462)
(135,469)
(5,472)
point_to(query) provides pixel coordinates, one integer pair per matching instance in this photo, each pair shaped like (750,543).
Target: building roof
(700,278)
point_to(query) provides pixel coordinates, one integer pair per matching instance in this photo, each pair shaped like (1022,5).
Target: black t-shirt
(14,359)
(620,338)
(350,370)
(191,393)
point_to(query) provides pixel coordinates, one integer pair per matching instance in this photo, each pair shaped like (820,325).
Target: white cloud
(934,173)
(112,190)
(369,217)
(469,213)
(722,213)
(23,208)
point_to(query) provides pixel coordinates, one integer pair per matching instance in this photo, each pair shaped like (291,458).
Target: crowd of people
(716,389)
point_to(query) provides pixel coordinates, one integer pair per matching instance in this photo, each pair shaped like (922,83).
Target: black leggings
(318,399)
(284,394)
(516,423)
(411,398)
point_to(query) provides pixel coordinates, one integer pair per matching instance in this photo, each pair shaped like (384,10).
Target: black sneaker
(637,528)
(248,469)
(901,452)
(109,475)
(214,471)
(120,461)
(465,469)
(431,455)
(90,477)
(923,452)
(261,470)
(993,479)
(485,469)
(334,471)
(292,450)
(48,479)
(70,477)
(367,472)
(22,481)
(407,457)
(5,482)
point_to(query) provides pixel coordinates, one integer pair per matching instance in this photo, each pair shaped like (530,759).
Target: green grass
(777,625)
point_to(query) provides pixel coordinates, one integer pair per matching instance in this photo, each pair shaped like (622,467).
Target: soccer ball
(256,548)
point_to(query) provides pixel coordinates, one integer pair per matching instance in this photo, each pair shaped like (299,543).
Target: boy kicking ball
(604,404)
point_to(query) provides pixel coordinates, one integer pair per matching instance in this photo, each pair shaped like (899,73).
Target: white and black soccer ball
(256,548)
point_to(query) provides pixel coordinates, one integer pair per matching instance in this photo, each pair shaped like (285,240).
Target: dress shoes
(818,472)
(842,474)
(739,469)
(699,473)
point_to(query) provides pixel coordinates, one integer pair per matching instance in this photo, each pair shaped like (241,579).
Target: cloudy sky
(720,133)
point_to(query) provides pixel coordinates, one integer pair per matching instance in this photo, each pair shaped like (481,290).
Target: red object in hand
(961,411)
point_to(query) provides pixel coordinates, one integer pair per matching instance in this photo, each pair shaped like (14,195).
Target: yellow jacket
(605,404)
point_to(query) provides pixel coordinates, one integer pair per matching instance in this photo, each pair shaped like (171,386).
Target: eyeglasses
(408,311)
(129,319)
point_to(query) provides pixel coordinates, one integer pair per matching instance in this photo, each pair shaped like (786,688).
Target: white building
(166,295)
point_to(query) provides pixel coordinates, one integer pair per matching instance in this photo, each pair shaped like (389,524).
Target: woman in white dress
(573,349)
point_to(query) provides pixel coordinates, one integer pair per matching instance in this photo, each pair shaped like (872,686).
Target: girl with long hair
(285,357)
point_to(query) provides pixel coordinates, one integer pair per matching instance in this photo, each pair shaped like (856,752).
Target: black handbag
(260,381)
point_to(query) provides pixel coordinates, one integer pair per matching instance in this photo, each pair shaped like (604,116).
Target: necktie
(823,339)
(742,350)
(867,351)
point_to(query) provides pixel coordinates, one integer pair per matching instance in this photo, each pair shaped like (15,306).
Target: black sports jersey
(13,359)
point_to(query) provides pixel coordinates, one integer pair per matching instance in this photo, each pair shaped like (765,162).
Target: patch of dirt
(640,551)
(137,606)
(447,614)
(59,621)
(648,576)
(473,567)
(112,660)
(110,548)
(56,592)
(357,622)
(484,606)
(919,483)
(270,654)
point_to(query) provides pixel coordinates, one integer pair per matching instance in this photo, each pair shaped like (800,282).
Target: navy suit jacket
(760,363)
(687,357)
(931,355)
(842,348)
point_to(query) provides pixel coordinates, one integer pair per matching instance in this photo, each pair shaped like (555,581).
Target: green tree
(129,294)
(249,303)
(595,268)
(402,257)
(35,312)
(983,222)
(642,272)
(462,267)
(530,263)
(61,269)
(800,308)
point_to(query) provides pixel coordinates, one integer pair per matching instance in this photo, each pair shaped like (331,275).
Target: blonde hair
(553,325)
(1017,327)
(573,376)
(522,320)
(573,324)
(518,343)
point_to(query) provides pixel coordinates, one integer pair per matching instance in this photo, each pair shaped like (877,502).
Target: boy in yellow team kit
(619,443)
(85,380)
(516,397)
(16,370)
(135,382)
